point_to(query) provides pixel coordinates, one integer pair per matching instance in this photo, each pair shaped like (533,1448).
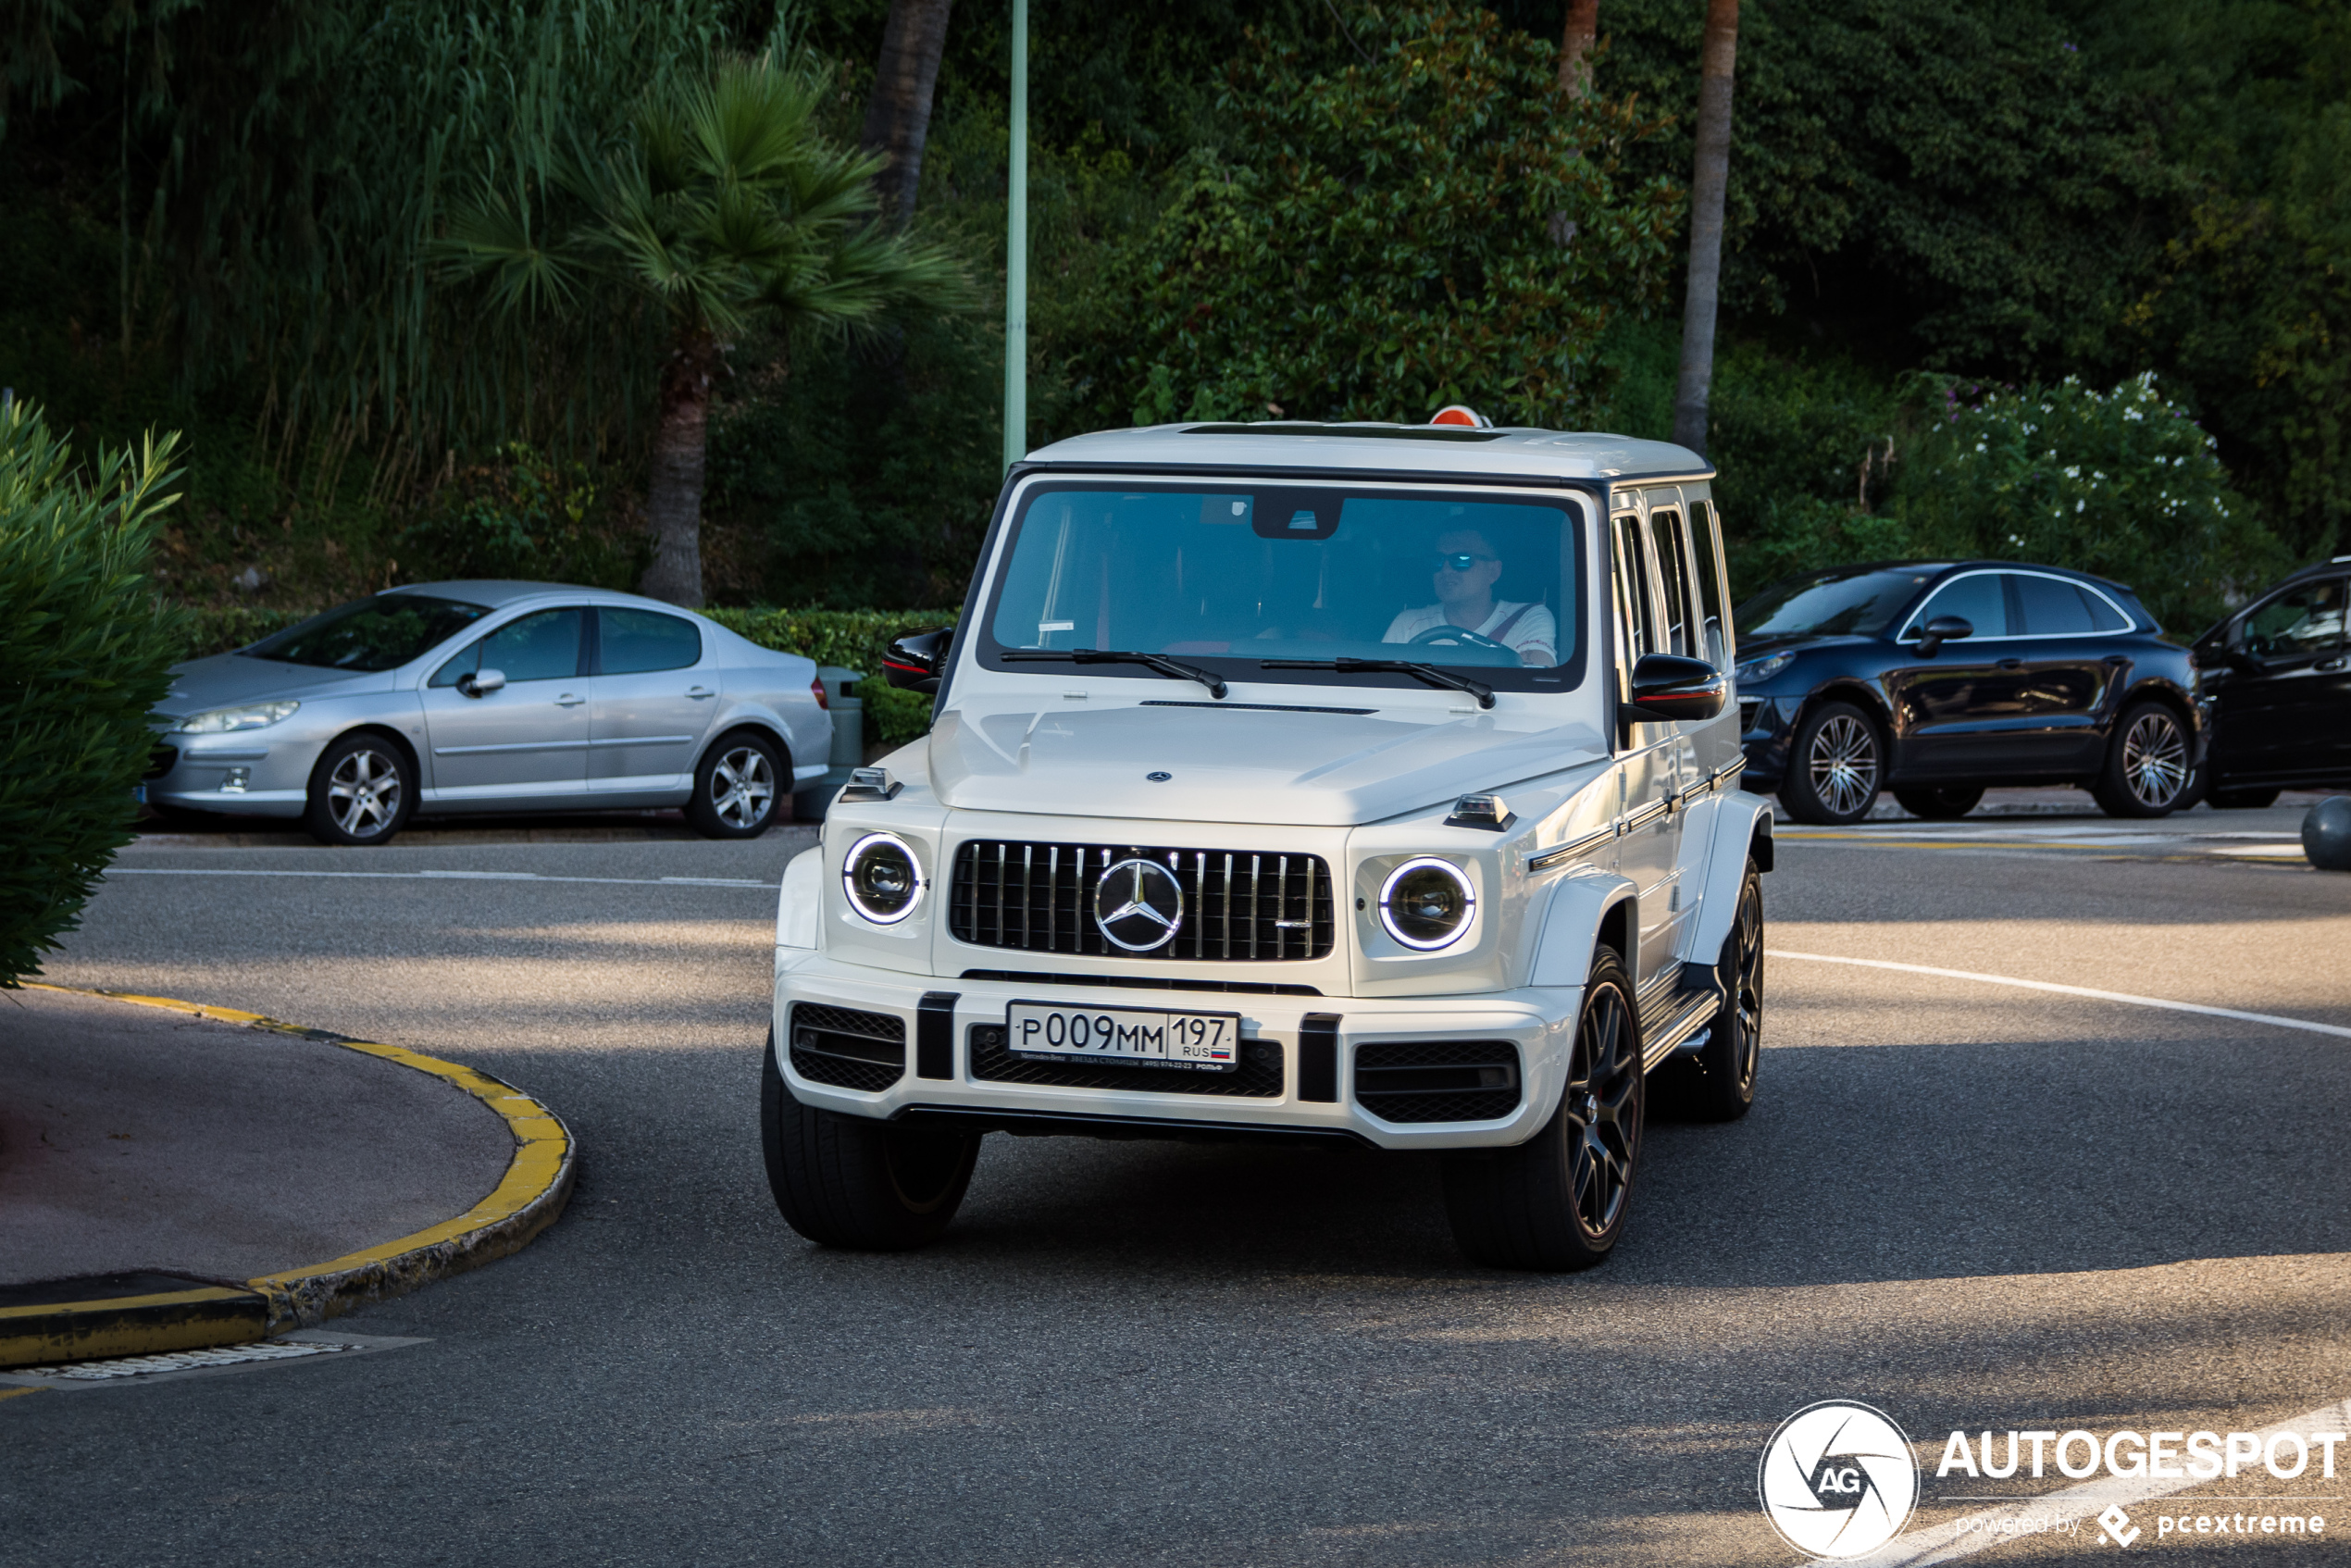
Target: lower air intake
(847,1049)
(1258,1078)
(1467,1080)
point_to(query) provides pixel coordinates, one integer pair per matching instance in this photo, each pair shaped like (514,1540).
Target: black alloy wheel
(738,786)
(1834,767)
(856,1183)
(2242,800)
(2147,767)
(1948,804)
(1716,1083)
(363,789)
(1558,1201)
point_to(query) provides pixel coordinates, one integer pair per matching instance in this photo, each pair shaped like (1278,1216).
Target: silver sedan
(491,696)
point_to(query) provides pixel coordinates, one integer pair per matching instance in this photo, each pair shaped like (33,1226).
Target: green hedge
(84,652)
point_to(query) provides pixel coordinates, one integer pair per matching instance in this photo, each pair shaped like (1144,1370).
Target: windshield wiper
(1431,674)
(1176,669)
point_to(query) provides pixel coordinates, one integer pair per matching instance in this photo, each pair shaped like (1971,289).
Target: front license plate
(1207,1042)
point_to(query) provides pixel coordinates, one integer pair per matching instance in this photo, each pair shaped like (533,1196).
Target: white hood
(1233,763)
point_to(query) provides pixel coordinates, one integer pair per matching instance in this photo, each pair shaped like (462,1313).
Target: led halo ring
(1460,880)
(849,878)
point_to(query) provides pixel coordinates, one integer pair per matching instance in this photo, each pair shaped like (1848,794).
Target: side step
(1679,1018)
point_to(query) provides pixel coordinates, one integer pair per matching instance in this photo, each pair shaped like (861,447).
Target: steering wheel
(1461,637)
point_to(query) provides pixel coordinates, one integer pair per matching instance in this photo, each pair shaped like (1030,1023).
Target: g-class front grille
(847,1049)
(1473,1080)
(1259,1076)
(1239,904)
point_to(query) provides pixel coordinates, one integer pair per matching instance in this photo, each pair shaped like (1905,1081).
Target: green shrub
(84,653)
(526,517)
(850,639)
(893,715)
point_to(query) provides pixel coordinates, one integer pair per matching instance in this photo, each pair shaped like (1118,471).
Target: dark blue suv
(1939,679)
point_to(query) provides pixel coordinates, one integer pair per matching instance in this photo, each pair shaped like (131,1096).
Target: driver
(1466,570)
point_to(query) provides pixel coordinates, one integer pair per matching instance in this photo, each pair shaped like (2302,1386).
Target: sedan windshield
(373,634)
(1847,602)
(1230,578)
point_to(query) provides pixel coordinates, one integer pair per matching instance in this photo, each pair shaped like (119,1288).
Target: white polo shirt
(1532,636)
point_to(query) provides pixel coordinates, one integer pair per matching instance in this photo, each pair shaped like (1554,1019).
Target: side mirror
(915,661)
(1942,630)
(1667,687)
(481,683)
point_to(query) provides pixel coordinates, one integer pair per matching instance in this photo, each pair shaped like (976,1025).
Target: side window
(1714,592)
(1630,579)
(633,642)
(2295,624)
(1976,599)
(540,647)
(2103,615)
(2052,607)
(1673,576)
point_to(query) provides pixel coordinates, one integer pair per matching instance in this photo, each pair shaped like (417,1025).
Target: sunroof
(1374,433)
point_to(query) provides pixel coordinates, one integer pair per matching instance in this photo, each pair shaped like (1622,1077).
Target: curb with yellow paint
(533,1191)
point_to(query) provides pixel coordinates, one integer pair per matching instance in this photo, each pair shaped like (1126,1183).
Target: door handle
(568,701)
(698,692)
(2329,666)
(2116,661)
(2011,663)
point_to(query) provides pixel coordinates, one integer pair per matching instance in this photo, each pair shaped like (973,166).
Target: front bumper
(236,775)
(1767,729)
(1539,1020)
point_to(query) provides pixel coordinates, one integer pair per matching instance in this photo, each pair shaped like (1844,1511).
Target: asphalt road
(1968,1204)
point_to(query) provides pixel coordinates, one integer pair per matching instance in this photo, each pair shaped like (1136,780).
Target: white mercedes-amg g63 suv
(1357,781)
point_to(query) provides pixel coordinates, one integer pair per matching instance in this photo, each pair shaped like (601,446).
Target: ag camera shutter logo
(1837,1479)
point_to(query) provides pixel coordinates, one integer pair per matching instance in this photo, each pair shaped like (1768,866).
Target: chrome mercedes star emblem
(1138,906)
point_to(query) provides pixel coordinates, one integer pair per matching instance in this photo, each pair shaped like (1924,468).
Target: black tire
(1716,1082)
(846,1182)
(2147,771)
(362,791)
(740,785)
(1558,1201)
(1939,805)
(1834,767)
(2242,800)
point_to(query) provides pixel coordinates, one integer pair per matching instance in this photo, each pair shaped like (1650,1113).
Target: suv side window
(1667,548)
(1976,599)
(539,647)
(1713,591)
(2051,606)
(2296,624)
(634,641)
(1634,614)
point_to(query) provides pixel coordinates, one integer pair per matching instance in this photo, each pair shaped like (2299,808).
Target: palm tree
(725,209)
(1718,55)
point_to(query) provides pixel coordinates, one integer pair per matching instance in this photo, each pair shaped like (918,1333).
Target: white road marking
(2167,1006)
(1972,1533)
(448,876)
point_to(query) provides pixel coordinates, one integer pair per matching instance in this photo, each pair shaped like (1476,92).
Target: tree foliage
(84,653)
(1443,224)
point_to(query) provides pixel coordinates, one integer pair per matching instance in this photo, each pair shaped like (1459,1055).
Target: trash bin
(849,742)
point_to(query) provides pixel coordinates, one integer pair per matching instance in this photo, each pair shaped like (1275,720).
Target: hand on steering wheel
(1453,636)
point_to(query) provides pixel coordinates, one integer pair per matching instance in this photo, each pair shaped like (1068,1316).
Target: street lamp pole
(1016,253)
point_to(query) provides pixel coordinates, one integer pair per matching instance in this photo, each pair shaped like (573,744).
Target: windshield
(1831,603)
(373,634)
(1226,578)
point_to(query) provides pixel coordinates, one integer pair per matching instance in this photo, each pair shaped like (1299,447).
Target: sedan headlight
(882,880)
(1757,671)
(1426,903)
(226,721)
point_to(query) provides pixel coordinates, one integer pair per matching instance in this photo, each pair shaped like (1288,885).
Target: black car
(2276,692)
(1939,679)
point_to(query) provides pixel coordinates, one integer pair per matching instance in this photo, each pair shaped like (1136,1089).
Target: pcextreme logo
(1837,1479)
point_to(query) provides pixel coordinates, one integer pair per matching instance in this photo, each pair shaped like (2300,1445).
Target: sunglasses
(1462,561)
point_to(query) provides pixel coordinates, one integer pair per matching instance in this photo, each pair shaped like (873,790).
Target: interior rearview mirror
(481,683)
(1942,630)
(915,661)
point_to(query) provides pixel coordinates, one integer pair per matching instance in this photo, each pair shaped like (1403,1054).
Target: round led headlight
(882,878)
(1426,903)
